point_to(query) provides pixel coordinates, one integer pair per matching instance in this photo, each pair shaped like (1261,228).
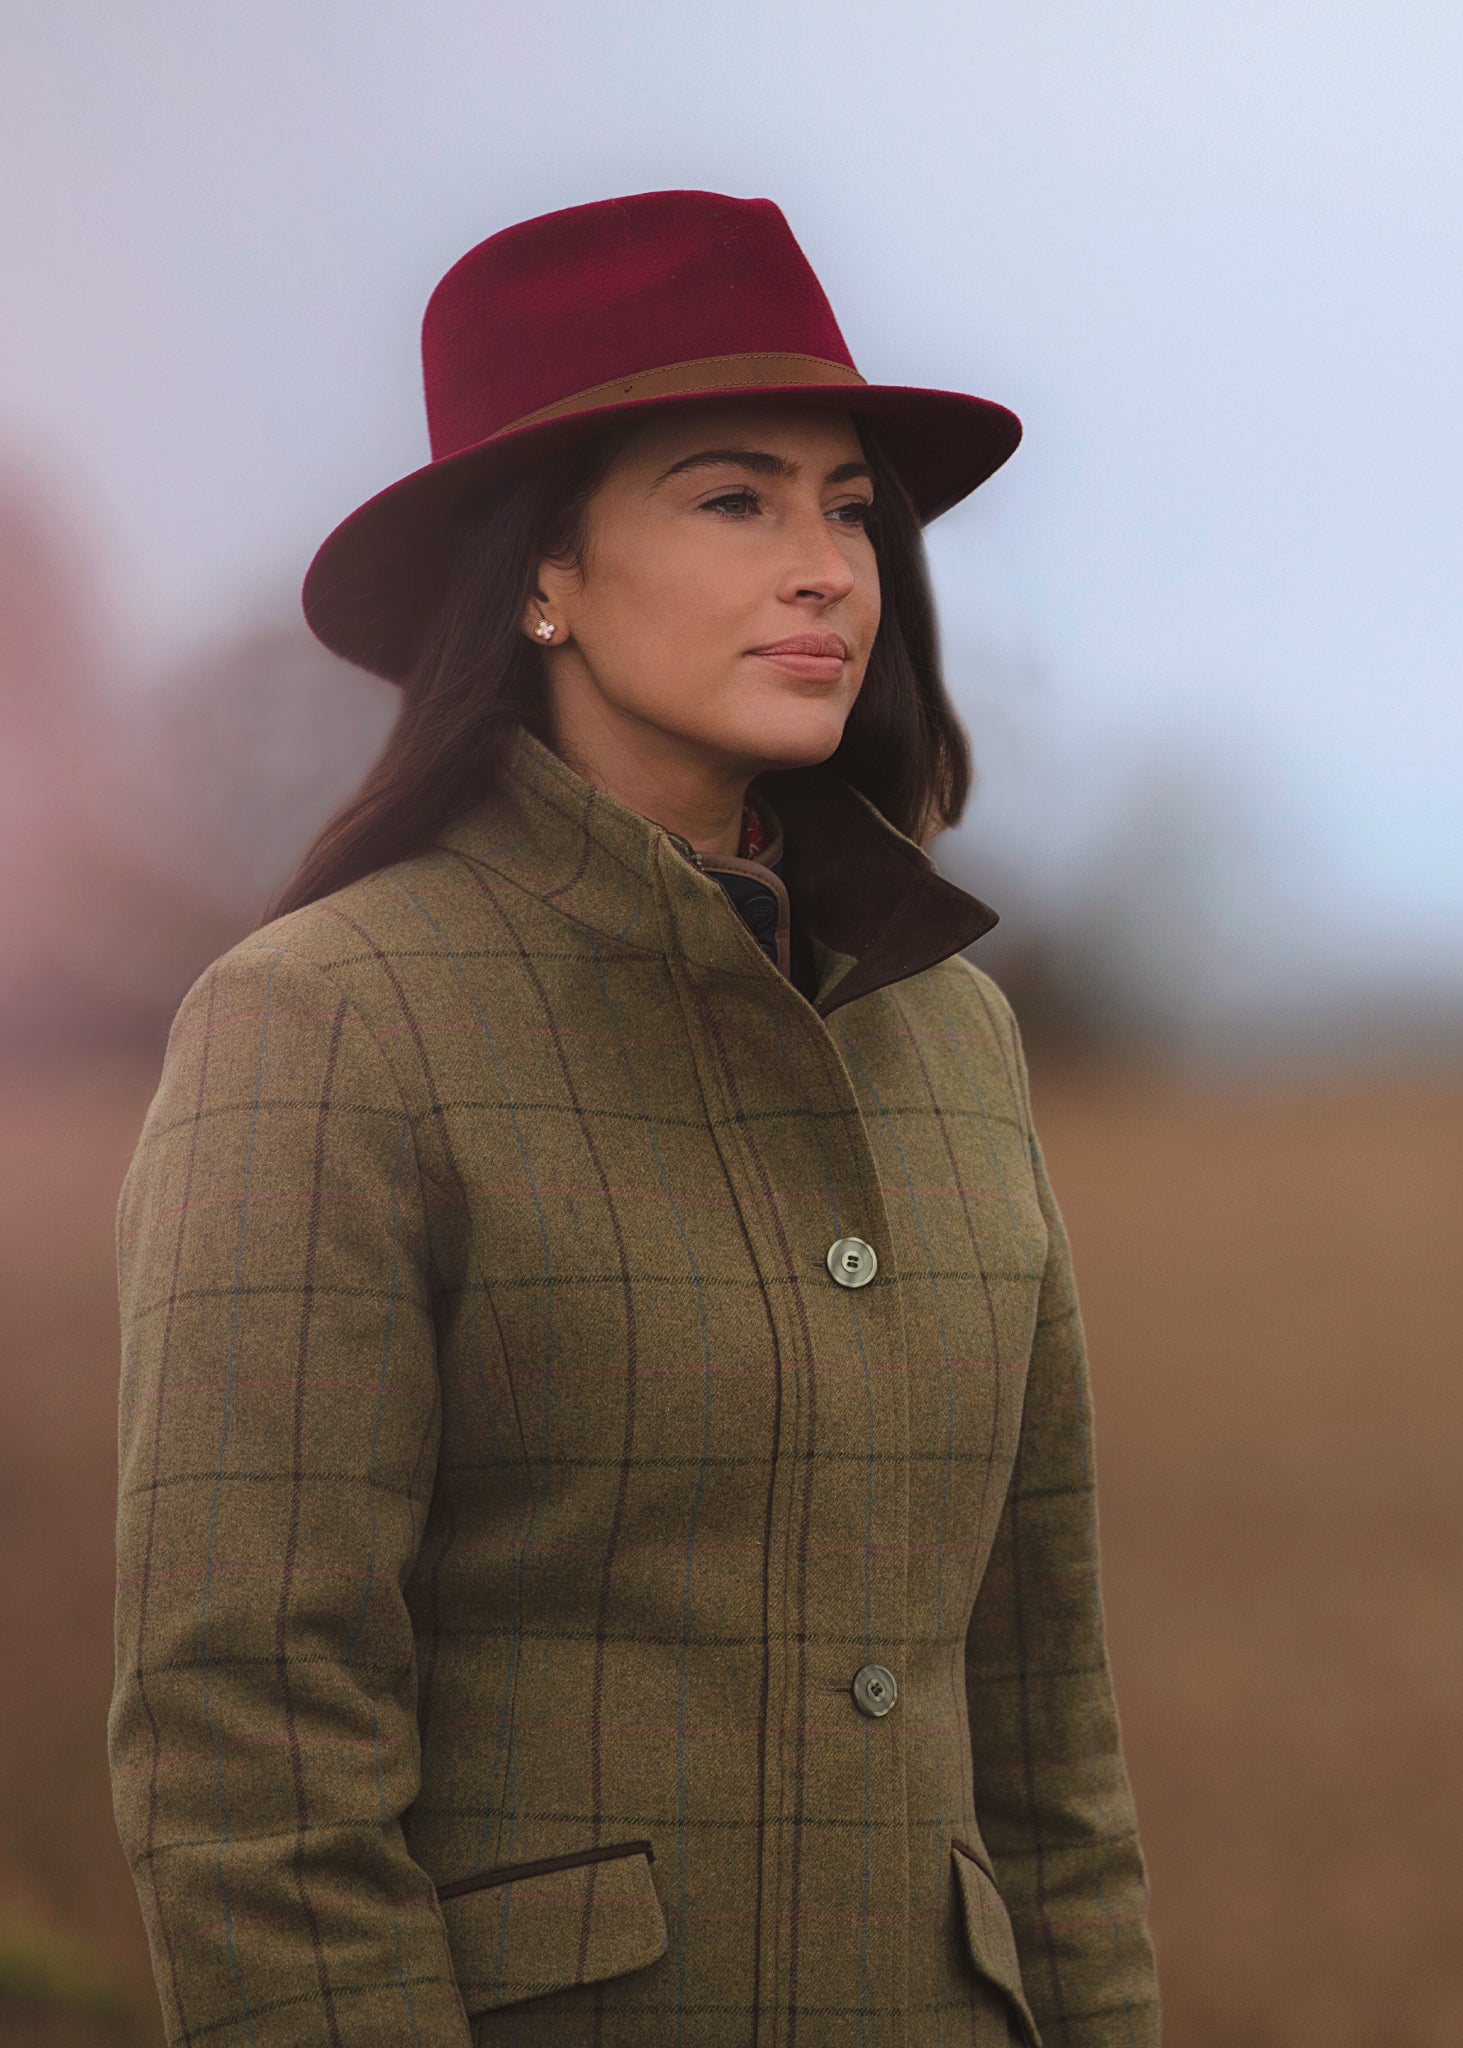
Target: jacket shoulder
(370,920)
(278,1017)
(988,990)
(352,938)
(991,997)
(996,1011)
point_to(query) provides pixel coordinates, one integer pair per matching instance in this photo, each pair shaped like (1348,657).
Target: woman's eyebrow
(760,461)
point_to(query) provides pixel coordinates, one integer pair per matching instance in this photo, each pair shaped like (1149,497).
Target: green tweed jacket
(607,1548)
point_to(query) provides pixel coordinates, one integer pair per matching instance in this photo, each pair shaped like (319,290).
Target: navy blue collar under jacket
(758,893)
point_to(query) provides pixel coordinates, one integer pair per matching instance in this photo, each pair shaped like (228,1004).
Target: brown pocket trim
(506,1873)
(958,1842)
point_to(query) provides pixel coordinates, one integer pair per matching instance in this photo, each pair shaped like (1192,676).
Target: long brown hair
(478,677)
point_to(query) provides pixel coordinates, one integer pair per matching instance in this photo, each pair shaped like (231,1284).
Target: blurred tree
(241,757)
(143,830)
(94,947)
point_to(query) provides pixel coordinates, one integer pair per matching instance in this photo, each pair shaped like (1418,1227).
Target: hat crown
(573,300)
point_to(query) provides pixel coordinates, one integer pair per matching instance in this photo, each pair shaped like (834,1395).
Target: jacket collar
(870,897)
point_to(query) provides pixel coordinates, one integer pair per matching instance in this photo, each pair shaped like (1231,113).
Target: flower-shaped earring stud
(544,630)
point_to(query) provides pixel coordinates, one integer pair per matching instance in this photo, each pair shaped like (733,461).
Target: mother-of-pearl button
(852,1262)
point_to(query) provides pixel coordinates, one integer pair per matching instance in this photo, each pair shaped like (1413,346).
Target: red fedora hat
(554,326)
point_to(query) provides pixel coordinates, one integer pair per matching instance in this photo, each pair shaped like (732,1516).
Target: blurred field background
(1207,635)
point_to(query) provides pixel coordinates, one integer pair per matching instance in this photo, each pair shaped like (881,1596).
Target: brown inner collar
(863,889)
(857,885)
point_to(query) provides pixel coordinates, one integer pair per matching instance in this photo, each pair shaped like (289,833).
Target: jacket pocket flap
(988,1932)
(526,1928)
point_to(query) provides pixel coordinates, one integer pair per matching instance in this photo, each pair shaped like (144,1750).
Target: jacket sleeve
(1051,1789)
(279,1423)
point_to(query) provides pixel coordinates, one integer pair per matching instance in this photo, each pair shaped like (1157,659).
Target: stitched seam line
(299,959)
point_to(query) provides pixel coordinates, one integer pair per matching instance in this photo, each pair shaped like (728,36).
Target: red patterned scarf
(754,835)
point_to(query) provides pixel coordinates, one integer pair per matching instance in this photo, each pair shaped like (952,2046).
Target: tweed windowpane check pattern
(504,1479)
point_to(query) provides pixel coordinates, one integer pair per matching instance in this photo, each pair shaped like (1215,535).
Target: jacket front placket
(785,1114)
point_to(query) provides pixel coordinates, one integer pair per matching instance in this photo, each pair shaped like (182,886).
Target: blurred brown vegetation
(1271,1282)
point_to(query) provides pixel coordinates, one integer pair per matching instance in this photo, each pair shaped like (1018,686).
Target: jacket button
(852,1262)
(874,1690)
(761,914)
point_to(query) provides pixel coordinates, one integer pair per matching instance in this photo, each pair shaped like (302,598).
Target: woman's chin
(808,735)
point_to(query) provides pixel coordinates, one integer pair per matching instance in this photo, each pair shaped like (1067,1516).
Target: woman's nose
(818,566)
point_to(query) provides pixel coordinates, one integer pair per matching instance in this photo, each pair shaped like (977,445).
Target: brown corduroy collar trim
(859,886)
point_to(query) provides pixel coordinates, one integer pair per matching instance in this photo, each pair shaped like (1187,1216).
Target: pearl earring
(544,630)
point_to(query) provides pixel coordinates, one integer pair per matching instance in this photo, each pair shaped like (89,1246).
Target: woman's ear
(539,621)
(543,619)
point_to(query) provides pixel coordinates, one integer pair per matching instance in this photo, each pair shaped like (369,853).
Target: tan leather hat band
(767,369)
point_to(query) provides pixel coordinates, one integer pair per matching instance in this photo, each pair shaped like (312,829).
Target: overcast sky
(1209,252)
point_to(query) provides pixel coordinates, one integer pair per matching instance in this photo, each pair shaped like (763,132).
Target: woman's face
(720,535)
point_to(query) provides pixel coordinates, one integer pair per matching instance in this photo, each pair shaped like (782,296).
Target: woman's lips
(814,657)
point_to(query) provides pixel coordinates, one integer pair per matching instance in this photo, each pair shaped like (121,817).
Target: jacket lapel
(868,895)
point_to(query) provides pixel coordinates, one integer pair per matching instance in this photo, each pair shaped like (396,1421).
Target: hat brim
(376,582)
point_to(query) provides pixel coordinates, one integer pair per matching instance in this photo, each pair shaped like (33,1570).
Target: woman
(607,1543)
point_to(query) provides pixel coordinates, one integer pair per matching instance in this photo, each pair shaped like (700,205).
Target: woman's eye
(737,503)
